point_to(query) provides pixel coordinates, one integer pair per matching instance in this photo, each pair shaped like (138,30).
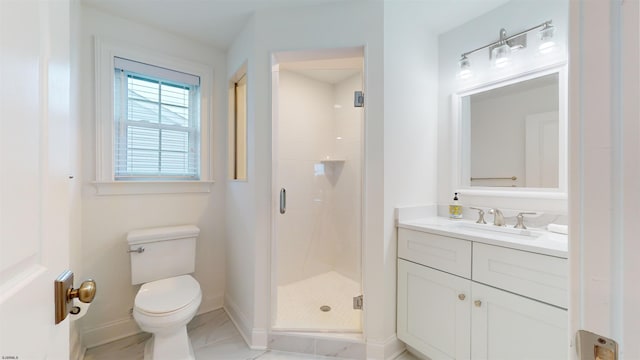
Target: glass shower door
(319,173)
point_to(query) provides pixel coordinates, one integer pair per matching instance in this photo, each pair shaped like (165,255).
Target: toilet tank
(161,253)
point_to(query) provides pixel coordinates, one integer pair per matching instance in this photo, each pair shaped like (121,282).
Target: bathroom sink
(492,230)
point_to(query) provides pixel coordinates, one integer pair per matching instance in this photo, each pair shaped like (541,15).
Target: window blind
(156,123)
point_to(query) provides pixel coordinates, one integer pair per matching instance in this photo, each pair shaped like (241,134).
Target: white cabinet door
(506,326)
(433,311)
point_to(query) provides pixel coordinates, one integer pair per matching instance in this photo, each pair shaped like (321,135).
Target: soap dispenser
(455,208)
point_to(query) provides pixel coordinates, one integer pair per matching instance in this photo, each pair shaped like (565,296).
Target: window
(156,123)
(153,122)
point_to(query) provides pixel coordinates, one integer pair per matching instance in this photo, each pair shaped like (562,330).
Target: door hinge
(358,301)
(358,99)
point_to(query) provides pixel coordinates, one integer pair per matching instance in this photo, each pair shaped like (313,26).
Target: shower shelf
(330,161)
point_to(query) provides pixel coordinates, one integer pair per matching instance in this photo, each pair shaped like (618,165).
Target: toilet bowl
(164,308)
(165,304)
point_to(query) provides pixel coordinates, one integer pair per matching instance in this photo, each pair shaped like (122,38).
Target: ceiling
(217,22)
(332,71)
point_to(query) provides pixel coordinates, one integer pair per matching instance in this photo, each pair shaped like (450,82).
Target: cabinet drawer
(440,252)
(536,276)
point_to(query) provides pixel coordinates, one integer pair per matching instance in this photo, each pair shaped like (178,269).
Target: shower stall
(317,169)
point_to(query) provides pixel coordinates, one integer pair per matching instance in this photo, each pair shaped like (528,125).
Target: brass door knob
(462,296)
(478,303)
(85,293)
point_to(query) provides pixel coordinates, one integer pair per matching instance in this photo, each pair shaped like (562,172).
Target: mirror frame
(461,148)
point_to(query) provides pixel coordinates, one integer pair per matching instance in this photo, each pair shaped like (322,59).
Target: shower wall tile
(305,131)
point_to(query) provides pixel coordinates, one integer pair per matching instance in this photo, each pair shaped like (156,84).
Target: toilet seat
(166,296)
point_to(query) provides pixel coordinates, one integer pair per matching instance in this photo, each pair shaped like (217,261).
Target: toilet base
(176,346)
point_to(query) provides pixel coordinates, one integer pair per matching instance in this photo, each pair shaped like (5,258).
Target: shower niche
(317,158)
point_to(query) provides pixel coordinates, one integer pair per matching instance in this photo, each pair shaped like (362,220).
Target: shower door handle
(283,200)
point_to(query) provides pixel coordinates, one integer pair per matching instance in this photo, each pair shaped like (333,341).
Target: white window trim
(105,183)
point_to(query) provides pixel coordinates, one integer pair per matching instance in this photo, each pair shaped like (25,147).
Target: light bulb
(546,39)
(465,68)
(500,55)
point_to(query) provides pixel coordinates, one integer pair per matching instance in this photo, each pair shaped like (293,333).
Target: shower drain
(325,308)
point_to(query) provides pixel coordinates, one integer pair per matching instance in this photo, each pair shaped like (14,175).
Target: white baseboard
(393,348)
(256,339)
(121,328)
(108,332)
(388,349)
(259,339)
(238,318)
(210,304)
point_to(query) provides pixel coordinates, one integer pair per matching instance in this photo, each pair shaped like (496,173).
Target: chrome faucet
(498,217)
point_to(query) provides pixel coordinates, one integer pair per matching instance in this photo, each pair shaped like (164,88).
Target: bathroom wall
(352,24)
(514,16)
(321,230)
(410,133)
(107,218)
(240,203)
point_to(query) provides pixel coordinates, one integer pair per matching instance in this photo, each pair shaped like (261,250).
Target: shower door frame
(278,57)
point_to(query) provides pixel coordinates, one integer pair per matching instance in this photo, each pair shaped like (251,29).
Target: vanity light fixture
(500,50)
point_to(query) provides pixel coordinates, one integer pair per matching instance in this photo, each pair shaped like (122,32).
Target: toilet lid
(167,295)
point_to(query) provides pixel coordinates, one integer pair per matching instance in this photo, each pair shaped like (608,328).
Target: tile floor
(213,336)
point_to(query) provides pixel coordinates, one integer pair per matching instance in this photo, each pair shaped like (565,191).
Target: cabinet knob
(462,296)
(478,303)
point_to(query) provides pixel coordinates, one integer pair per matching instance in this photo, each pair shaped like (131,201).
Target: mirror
(513,134)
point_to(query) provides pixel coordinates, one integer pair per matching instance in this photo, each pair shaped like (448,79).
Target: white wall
(515,16)
(107,219)
(410,133)
(240,205)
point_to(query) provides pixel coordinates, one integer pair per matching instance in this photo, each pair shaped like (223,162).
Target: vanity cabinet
(434,312)
(508,305)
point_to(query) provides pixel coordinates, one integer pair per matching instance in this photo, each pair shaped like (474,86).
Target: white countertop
(534,240)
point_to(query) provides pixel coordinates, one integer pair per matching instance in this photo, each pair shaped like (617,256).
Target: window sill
(151,187)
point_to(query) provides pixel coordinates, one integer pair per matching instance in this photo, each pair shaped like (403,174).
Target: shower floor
(299,304)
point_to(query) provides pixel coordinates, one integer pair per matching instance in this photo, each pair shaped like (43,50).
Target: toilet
(161,260)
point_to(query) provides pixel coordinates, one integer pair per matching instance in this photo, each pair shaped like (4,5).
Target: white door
(34,175)
(541,150)
(433,311)
(506,326)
